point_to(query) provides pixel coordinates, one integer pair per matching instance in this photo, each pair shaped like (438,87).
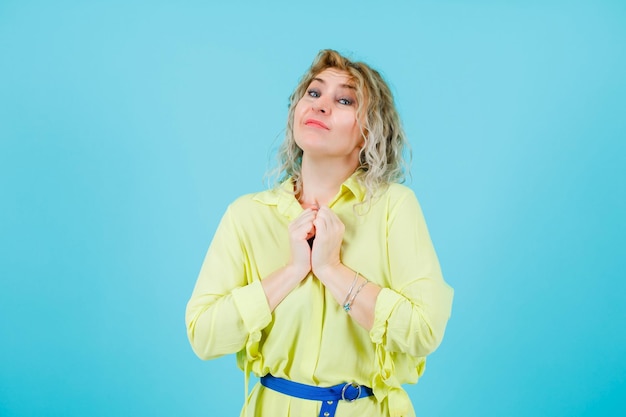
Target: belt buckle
(345,387)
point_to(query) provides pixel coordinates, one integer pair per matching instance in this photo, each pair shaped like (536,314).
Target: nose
(321,105)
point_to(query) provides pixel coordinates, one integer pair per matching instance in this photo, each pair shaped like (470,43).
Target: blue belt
(328,396)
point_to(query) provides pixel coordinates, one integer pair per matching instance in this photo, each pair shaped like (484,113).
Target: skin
(325,124)
(327,130)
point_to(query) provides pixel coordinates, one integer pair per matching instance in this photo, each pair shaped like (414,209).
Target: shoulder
(396,193)
(399,201)
(254,201)
(399,190)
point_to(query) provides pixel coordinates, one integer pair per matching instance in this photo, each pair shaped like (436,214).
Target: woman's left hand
(327,244)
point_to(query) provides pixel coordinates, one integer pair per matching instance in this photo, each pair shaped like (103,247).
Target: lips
(315,123)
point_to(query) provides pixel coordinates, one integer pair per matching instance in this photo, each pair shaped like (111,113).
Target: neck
(321,180)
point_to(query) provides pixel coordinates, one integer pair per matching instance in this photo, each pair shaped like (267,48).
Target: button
(326,414)
(329,402)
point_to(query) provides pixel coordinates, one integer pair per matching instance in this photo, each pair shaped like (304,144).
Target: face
(325,120)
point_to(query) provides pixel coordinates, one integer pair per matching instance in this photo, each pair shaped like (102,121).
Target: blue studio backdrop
(127,127)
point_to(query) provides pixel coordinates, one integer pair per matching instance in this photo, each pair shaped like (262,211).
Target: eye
(345,101)
(313,93)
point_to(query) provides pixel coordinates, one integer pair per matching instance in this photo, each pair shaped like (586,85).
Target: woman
(327,286)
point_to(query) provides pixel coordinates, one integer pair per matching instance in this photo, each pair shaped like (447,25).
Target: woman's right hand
(281,282)
(300,230)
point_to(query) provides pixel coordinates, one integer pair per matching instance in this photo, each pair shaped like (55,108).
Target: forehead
(335,76)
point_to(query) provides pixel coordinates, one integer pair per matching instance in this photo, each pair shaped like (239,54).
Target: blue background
(126,127)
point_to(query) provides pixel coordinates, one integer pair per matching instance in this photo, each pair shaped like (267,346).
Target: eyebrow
(350,86)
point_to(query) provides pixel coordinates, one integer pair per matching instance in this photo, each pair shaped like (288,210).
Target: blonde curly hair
(382,158)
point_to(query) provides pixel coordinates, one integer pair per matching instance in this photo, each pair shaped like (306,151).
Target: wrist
(296,272)
(327,271)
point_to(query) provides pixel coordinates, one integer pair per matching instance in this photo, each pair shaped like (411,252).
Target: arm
(337,277)
(224,308)
(338,280)
(226,311)
(411,315)
(280,283)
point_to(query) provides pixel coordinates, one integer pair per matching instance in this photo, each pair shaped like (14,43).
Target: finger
(304,231)
(326,213)
(306,217)
(328,219)
(311,233)
(321,223)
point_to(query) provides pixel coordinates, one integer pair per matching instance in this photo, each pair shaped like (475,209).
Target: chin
(310,142)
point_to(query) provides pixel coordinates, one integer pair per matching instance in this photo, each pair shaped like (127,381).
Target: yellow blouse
(309,338)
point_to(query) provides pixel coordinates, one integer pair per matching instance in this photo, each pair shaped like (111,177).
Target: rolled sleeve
(385,303)
(226,311)
(411,316)
(252,305)
(405,323)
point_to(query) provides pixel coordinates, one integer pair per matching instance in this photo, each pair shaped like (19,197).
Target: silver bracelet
(348,306)
(345,302)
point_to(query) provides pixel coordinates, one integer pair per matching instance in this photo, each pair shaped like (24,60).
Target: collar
(353,185)
(283,198)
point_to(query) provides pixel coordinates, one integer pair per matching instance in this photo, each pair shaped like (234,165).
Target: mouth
(315,123)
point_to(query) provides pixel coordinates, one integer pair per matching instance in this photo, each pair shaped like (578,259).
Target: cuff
(385,303)
(252,305)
